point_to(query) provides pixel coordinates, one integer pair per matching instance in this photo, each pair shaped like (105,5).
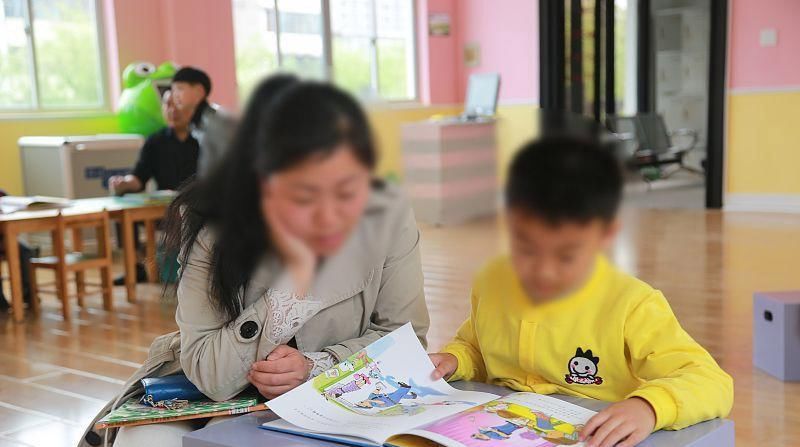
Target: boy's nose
(547,273)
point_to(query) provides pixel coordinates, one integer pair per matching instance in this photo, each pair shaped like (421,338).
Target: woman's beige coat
(370,287)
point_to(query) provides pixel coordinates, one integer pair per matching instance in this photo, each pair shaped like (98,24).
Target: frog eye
(145,69)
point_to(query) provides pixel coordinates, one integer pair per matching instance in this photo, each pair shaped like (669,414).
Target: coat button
(248,329)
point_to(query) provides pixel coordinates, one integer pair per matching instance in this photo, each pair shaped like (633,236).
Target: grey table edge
(244,430)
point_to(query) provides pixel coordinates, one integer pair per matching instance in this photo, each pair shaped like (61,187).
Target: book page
(519,419)
(11,204)
(380,391)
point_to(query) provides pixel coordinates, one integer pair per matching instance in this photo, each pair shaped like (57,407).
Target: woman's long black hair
(285,122)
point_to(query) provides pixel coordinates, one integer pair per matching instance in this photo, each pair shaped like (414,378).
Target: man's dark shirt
(167,159)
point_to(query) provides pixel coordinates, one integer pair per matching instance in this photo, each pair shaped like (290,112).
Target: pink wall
(438,56)
(507,33)
(140,31)
(200,32)
(188,32)
(753,66)
(443,55)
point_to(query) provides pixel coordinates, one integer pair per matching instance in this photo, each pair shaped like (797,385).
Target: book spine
(231,412)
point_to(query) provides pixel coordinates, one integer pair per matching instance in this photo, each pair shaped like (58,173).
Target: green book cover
(134,413)
(148,198)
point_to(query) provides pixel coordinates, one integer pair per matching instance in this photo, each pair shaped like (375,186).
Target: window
(364,46)
(50,55)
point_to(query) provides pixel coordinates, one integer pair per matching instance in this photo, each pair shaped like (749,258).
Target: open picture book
(384,395)
(161,197)
(11,204)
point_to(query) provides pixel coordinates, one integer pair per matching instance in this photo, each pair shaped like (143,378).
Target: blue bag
(170,392)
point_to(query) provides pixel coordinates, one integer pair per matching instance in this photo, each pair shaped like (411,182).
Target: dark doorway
(660,61)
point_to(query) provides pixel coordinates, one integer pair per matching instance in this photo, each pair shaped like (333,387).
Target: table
(244,430)
(127,213)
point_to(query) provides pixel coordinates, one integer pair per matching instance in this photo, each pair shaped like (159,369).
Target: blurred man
(168,156)
(210,125)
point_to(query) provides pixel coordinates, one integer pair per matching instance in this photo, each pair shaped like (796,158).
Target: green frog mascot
(140,103)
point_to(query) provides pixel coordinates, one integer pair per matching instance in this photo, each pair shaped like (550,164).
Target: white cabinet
(76,167)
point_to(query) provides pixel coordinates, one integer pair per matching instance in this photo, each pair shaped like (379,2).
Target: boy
(556,317)
(211,125)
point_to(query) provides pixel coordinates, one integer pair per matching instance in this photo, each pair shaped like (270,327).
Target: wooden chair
(62,263)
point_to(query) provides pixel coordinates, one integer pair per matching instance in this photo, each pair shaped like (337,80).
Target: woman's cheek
(354,208)
(296,218)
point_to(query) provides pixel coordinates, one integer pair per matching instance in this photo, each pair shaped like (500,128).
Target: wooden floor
(54,376)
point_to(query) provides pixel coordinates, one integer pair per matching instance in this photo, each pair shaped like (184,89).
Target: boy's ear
(611,231)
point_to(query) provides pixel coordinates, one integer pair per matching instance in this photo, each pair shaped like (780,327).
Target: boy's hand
(446,364)
(628,423)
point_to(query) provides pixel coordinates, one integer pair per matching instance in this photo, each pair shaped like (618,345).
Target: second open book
(384,395)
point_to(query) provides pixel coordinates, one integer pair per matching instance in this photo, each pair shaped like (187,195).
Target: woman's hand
(623,424)
(300,261)
(284,369)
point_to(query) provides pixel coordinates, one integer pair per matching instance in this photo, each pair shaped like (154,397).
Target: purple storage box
(776,333)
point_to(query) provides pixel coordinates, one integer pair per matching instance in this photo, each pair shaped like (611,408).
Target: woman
(293,257)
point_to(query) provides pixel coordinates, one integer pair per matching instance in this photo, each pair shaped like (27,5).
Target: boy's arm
(681,381)
(466,349)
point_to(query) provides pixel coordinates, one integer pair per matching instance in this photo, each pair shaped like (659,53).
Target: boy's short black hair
(193,75)
(562,179)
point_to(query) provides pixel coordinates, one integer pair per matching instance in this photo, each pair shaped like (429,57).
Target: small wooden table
(14,224)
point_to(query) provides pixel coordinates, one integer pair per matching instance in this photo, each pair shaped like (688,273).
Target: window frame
(327,51)
(36,110)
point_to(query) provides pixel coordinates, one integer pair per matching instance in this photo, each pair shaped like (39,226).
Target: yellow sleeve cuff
(466,369)
(662,402)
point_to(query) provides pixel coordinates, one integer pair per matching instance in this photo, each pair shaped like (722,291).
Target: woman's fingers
(278,231)
(279,366)
(271,215)
(299,257)
(280,352)
(267,379)
(271,392)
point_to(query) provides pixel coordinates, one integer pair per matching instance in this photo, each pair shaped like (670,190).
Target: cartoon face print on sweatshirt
(582,368)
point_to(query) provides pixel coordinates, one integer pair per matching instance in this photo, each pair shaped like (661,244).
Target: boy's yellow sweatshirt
(613,339)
